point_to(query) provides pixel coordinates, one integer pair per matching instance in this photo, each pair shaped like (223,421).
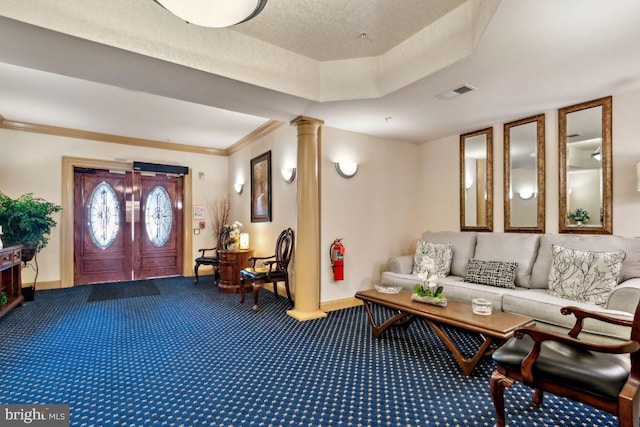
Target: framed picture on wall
(261,188)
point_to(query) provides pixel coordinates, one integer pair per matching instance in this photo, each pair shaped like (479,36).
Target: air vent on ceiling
(454,93)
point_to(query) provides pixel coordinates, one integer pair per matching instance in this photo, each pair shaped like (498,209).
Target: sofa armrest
(400,264)
(625,296)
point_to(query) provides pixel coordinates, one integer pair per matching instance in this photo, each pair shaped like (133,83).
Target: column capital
(304,120)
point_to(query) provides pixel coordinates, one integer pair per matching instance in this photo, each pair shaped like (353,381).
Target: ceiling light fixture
(214,13)
(597,155)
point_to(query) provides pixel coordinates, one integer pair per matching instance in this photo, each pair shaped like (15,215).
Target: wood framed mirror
(524,142)
(584,142)
(476,180)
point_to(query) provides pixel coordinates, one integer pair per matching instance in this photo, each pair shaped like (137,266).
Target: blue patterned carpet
(192,356)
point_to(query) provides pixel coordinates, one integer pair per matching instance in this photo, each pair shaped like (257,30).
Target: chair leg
(241,289)
(275,289)
(538,397)
(628,405)
(195,269)
(256,291)
(497,384)
(286,286)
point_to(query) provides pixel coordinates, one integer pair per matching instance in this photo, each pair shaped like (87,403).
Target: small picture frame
(198,212)
(261,188)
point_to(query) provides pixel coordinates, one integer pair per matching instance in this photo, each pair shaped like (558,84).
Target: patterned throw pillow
(584,276)
(433,259)
(493,273)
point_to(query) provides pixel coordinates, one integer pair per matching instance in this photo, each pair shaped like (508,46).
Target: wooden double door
(127,225)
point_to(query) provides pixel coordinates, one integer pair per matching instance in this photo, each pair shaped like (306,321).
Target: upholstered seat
(212,259)
(263,274)
(275,269)
(600,374)
(605,376)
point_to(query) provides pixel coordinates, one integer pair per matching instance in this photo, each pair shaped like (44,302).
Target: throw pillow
(584,276)
(493,273)
(433,260)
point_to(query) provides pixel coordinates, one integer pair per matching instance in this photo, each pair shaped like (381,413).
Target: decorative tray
(388,289)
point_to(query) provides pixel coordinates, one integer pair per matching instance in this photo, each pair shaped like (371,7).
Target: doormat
(119,290)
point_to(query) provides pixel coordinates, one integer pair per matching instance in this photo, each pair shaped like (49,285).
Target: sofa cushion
(492,273)
(455,289)
(409,281)
(463,244)
(538,304)
(542,267)
(510,247)
(585,276)
(432,259)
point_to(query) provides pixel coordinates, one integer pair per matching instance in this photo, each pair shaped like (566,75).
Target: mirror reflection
(476,180)
(585,176)
(524,175)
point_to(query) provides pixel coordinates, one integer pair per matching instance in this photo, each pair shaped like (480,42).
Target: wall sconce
(238,187)
(526,194)
(244,240)
(347,169)
(288,174)
(468,183)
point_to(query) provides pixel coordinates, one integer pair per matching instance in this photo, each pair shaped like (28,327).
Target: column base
(306,315)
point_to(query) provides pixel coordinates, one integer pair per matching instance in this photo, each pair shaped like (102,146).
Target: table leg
(467,365)
(400,318)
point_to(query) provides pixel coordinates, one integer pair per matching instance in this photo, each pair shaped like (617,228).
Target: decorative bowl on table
(481,306)
(388,289)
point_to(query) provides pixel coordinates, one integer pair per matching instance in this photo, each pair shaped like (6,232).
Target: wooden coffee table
(494,328)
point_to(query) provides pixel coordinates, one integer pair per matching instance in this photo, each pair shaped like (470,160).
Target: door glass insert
(104,215)
(158,216)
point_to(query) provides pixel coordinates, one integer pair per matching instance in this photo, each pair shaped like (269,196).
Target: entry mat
(119,290)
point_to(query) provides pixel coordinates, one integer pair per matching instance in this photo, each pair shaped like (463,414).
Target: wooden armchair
(275,269)
(605,376)
(213,260)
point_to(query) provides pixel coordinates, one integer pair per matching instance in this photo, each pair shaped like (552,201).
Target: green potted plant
(579,217)
(27,221)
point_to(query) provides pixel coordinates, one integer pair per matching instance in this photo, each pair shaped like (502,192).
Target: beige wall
(400,190)
(439,169)
(262,235)
(32,163)
(372,211)
(375,212)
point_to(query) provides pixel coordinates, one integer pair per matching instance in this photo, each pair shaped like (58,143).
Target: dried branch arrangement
(221,209)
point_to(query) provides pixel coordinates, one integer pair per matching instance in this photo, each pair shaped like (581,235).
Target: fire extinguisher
(336,253)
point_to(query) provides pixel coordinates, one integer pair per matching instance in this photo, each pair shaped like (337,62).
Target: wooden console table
(231,262)
(11,278)
(498,326)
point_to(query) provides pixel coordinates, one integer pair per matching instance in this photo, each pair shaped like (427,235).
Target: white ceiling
(333,29)
(534,55)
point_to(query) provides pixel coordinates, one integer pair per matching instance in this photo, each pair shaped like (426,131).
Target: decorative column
(307,255)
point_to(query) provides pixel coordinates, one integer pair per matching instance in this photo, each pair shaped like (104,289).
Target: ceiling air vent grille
(454,93)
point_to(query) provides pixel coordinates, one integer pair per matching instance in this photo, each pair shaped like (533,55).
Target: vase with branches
(221,209)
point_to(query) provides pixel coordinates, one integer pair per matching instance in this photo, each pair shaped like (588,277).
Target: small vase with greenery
(27,221)
(429,292)
(579,216)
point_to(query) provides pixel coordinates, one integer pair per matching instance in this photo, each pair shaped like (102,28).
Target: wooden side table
(231,262)
(10,278)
